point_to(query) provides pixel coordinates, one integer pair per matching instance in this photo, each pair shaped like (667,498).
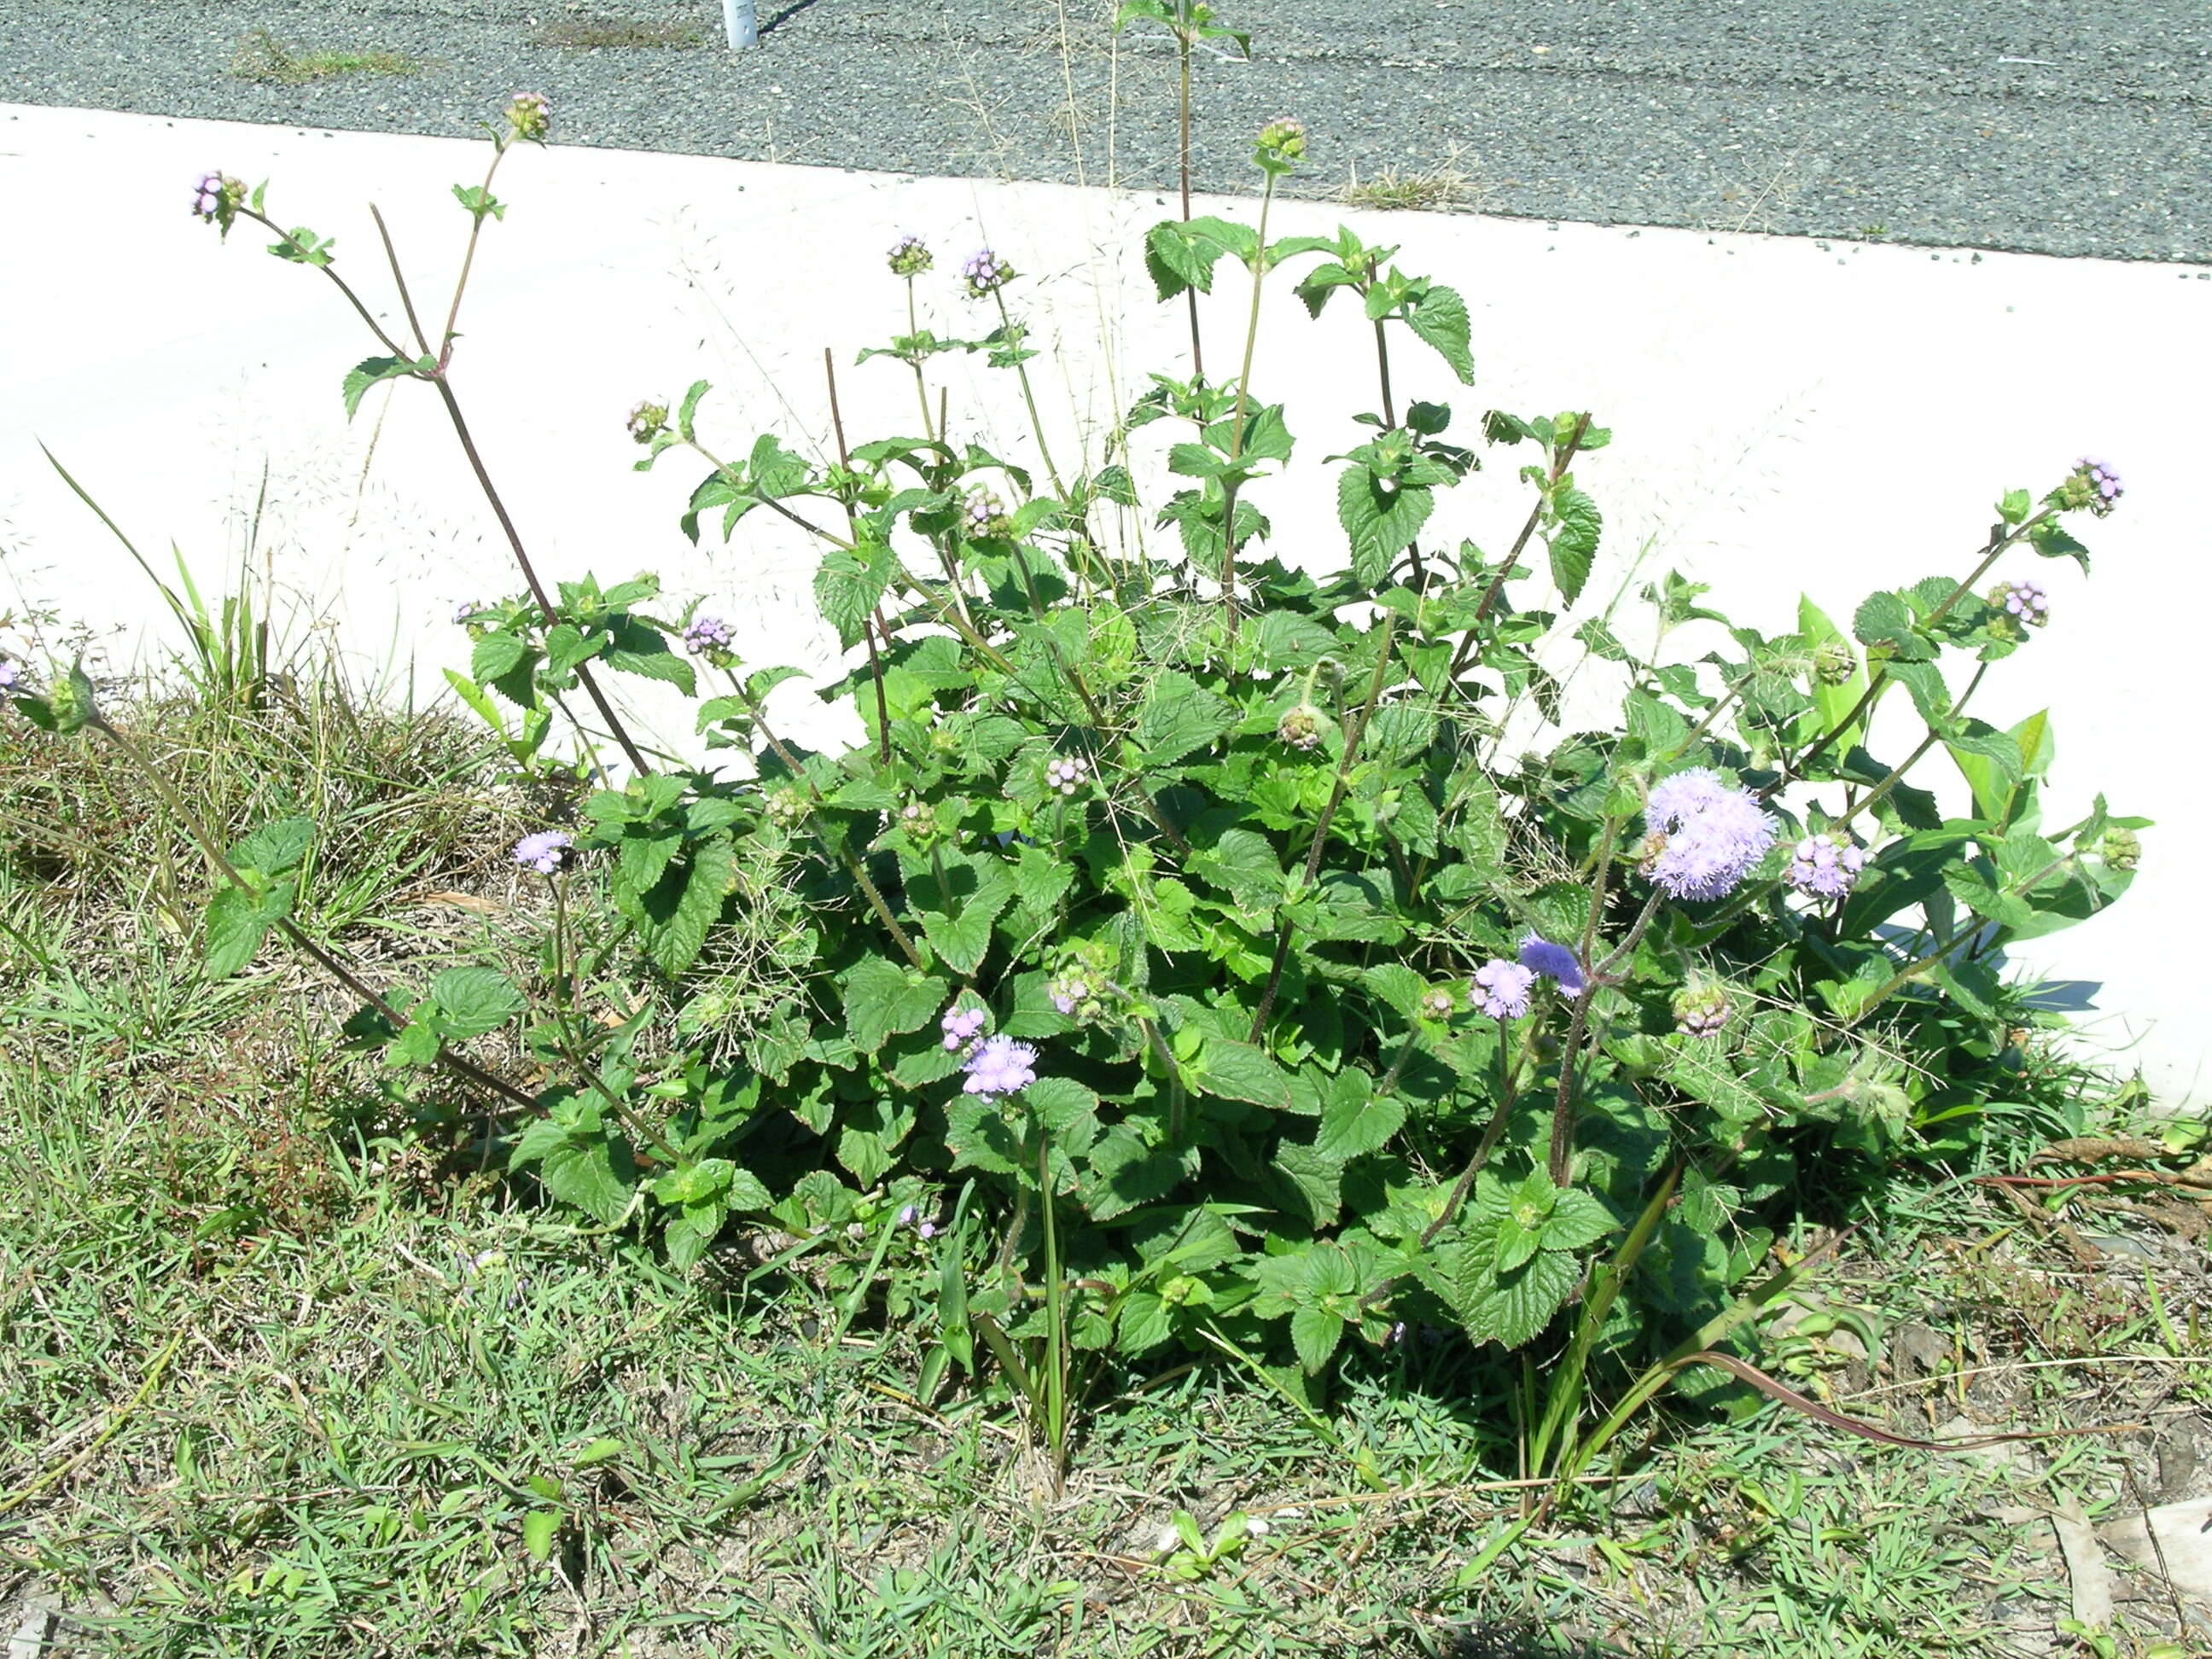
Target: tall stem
(1559,464)
(1182,42)
(468,259)
(920,381)
(1236,423)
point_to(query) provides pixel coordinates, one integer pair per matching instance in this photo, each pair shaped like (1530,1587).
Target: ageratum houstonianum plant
(1184,933)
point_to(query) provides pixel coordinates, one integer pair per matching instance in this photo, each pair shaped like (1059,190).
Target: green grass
(262,56)
(283,1372)
(603,34)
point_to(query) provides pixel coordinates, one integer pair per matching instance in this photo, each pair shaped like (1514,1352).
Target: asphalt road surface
(2052,126)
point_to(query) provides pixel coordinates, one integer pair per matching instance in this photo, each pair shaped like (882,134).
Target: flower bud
(1701,1010)
(986,517)
(529,115)
(1834,662)
(1066,773)
(1301,727)
(1282,142)
(788,808)
(1438,1004)
(910,257)
(2121,849)
(647,421)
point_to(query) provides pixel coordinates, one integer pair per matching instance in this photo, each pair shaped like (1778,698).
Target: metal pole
(741,23)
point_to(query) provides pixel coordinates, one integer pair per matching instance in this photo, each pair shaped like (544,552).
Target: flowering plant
(1187,912)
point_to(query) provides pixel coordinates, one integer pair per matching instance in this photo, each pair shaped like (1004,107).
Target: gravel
(2058,127)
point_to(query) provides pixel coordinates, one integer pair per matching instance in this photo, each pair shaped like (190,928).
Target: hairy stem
(1236,423)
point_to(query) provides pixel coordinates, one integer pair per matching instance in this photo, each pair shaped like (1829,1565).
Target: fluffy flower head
(530,115)
(708,636)
(1553,962)
(984,273)
(910,257)
(999,1065)
(1707,835)
(545,851)
(1501,989)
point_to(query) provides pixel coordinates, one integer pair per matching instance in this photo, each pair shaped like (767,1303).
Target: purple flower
(910,257)
(11,676)
(1706,835)
(464,611)
(999,1065)
(208,195)
(960,1026)
(986,273)
(2024,600)
(707,636)
(1825,866)
(1501,989)
(1067,774)
(545,852)
(927,1230)
(1553,962)
(906,1215)
(2103,483)
(1069,994)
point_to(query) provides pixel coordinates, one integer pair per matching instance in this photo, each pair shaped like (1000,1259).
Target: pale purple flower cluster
(910,257)
(1707,835)
(1554,962)
(1501,989)
(999,1065)
(647,421)
(465,612)
(961,1027)
(2024,600)
(1825,866)
(909,1216)
(707,633)
(212,196)
(545,851)
(1068,774)
(1438,1004)
(2104,483)
(986,515)
(530,115)
(1069,993)
(986,273)
(11,675)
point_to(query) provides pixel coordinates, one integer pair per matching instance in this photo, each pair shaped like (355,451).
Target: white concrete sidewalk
(1786,416)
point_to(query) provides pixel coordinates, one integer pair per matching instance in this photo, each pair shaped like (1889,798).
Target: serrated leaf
(471,1002)
(848,586)
(883,1000)
(1354,1119)
(1380,515)
(1239,1071)
(237,921)
(591,1173)
(1180,716)
(367,373)
(1574,541)
(275,848)
(1316,1332)
(1439,317)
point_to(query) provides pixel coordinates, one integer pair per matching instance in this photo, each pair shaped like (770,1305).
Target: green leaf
(539,1528)
(275,848)
(366,373)
(237,921)
(882,1000)
(1239,1071)
(591,1173)
(675,916)
(1179,716)
(1316,1332)
(1380,514)
(1439,317)
(1510,1308)
(1573,541)
(1354,1119)
(849,584)
(471,1002)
